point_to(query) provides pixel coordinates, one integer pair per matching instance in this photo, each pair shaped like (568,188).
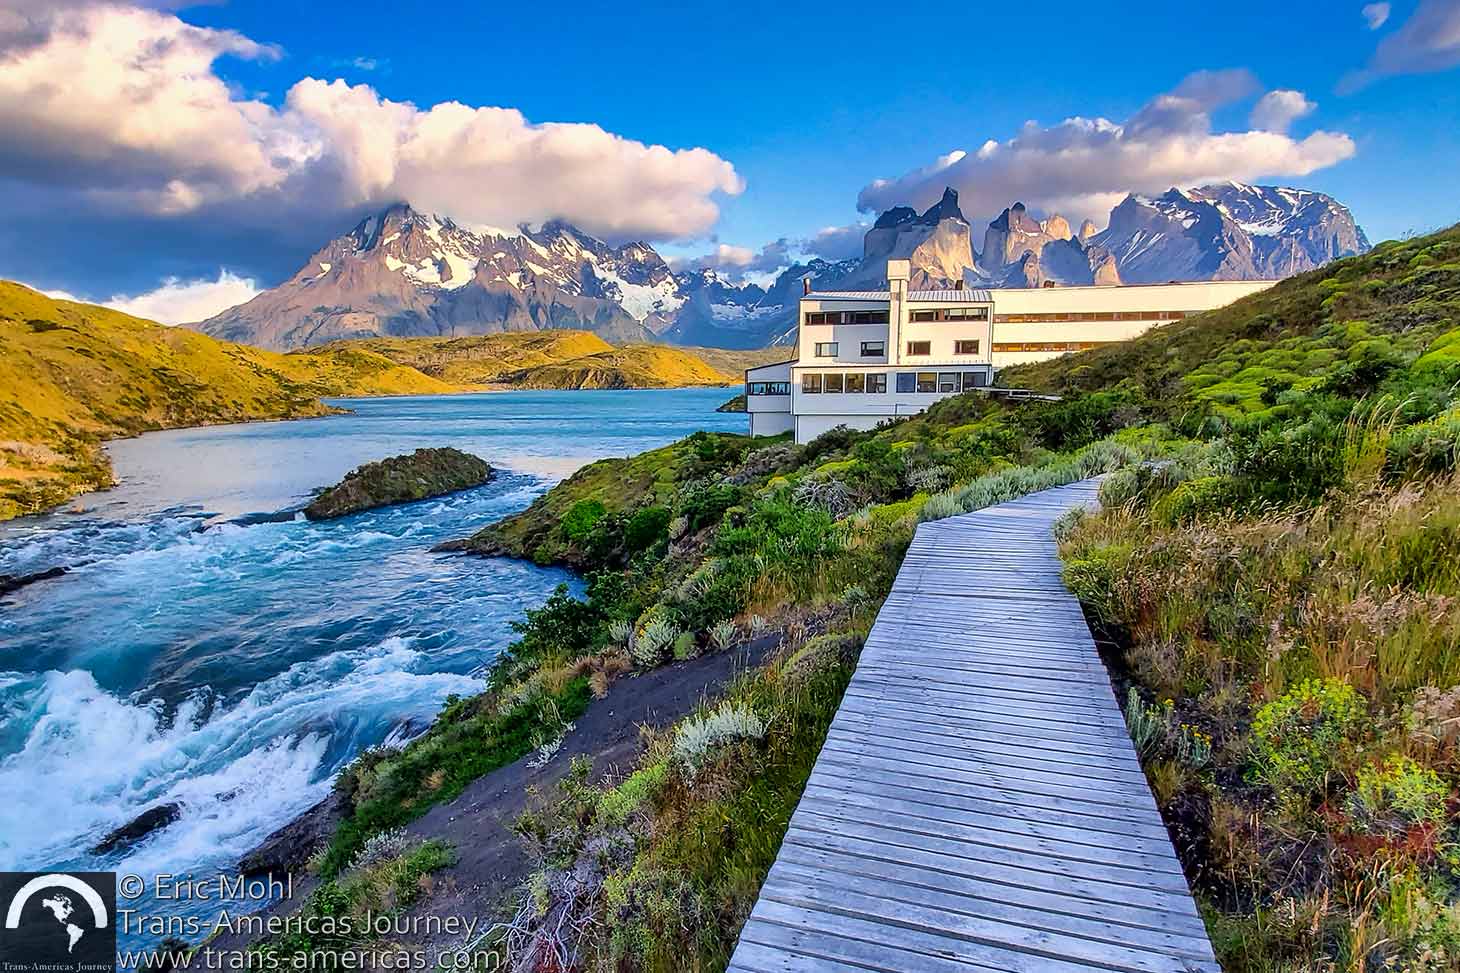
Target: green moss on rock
(400,479)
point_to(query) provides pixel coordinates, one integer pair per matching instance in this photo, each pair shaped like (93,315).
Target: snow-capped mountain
(1228,231)
(405,273)
(1292,230)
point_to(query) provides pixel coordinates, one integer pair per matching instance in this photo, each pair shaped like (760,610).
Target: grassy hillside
(631,366)
(562,360)
(481,359)
(1280,593)
(73,375)
(1286,597)
(735,361)
(700,547)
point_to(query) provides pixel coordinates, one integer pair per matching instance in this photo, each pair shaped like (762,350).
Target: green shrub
(646,528)
(1301,737)
(579,521)
(1120,487)
(1193,498)
(1091,572)
(706,504)
(1395,795)
(1426,447)
(640,786)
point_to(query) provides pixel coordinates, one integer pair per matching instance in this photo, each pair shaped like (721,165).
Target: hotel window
(973,380)
(810,383)
(867,317)
(833,382)
(856,382)
(907,382)
(967,347)
(947,381)
(826,349)
(877,382)
(927,381)
(874,349)
(919,347)
(951,314)
(769,388)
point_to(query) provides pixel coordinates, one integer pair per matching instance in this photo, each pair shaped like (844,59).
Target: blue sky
(811,102)
(800,107)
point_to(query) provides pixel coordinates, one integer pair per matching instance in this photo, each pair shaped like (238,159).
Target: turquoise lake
(202,651)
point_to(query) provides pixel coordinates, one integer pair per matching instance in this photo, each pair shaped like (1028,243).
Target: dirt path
(490,860)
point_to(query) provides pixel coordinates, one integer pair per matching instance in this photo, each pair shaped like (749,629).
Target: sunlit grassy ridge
(480,359)
(631,366)
(73,375)
(562,360)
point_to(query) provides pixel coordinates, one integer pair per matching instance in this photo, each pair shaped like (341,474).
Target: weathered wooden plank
(986,723)
(977,804)
(1005,755)
(978,921)
(1115,831)
(990,740)
(852,818)
(1082,897)
(1115,919)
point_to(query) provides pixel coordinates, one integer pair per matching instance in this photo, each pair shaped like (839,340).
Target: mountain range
(402,273)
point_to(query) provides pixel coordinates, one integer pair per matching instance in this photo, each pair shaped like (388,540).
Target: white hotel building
(863,357)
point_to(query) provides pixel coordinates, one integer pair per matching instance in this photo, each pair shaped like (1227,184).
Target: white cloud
(1277,110)
(181,302)
(143,123)
(139,114)
(742,263)
(1081,166)
(1375,14)
(1427,42)
(177,301)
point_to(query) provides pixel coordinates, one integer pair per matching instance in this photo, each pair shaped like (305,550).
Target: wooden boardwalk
(978,805)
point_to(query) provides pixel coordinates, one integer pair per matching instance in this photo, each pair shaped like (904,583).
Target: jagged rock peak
(1057,228)
(1087,230)
(944,209)
(1017,218)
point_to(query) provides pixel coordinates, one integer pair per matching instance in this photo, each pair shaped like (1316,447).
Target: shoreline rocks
(421,475)
(288,849)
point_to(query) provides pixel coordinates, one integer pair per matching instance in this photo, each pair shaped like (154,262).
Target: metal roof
(966,296)
(848,296)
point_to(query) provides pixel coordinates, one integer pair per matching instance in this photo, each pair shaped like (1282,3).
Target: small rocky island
(415,476)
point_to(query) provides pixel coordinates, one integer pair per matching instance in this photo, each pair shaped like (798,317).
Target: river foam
(208,648)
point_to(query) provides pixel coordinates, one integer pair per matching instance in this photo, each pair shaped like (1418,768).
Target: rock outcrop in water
(14,582)
(401,479)
(150,820)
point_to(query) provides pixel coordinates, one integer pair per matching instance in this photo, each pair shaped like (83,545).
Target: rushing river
(200,653)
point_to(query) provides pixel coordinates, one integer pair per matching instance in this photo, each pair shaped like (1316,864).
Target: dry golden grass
(73,375)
